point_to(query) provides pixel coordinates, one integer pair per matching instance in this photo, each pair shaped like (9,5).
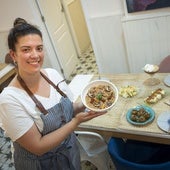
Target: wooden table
(114,123)
(7,72)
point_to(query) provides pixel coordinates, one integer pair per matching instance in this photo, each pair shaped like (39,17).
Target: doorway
(78,28)
(57,27)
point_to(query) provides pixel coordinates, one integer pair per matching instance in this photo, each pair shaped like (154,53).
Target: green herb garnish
(99,96)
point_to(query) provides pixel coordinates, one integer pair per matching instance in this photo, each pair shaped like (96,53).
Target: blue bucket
(136,155)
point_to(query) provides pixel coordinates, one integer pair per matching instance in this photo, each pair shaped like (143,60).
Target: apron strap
(55,86)
(36,101)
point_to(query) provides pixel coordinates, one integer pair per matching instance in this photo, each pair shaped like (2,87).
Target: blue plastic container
(134,155)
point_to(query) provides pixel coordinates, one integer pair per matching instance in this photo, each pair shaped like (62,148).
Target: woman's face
(29,54)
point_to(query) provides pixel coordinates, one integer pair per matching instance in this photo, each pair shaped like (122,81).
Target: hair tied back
(19,21)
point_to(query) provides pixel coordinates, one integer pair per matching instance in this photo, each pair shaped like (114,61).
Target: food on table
(100,97)
(156,95)
(140,115)
(128,91)
(150,68)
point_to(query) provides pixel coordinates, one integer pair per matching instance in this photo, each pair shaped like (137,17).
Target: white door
(57,26)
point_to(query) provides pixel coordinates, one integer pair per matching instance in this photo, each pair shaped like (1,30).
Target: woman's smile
(34,62)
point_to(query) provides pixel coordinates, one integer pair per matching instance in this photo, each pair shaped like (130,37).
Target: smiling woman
(37,112)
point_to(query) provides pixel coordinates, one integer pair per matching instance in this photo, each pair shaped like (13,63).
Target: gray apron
(66,156)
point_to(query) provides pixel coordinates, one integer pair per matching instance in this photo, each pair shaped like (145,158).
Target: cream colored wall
(27,9)
(6,19)
(79,24)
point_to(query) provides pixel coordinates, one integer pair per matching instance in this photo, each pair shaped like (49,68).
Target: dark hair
(21,28)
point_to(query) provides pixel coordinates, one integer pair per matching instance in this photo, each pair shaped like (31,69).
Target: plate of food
(140,115)
(163,121)
(155,96)
(99,95)
(128,91)
(151,68)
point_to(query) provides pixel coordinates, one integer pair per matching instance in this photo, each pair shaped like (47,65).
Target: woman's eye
(26,50)
(40,49)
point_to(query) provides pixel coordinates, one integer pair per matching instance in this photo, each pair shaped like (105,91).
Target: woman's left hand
(78,107)
(88,115)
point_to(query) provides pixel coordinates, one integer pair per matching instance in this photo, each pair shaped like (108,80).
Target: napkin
(78,84)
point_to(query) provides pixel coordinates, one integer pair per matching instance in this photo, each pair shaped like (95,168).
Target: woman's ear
(8,58)
(12,57)
(12,54)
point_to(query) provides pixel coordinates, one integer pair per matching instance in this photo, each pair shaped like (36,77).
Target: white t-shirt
(18,111)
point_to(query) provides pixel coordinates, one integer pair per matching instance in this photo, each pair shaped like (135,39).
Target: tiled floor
(86,65)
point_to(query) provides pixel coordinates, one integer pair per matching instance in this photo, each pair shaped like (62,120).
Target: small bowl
(96,83)
(151,68)
(147,109)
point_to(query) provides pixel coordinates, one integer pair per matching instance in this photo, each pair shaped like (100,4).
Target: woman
(36,112)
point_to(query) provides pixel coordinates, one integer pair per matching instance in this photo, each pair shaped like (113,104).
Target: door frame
(65,4)
(50,38)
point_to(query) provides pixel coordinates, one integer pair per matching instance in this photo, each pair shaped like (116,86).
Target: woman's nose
(34,53)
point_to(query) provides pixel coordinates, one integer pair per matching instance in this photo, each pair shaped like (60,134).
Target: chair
(164,66)
(93,148)
(136,155)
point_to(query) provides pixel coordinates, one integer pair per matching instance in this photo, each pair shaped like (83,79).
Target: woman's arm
(37,144)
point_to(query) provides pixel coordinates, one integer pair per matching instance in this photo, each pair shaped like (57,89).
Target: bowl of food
(151,68)
(140,115)
(99,95)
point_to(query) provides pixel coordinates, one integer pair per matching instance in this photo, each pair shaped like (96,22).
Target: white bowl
(94,84)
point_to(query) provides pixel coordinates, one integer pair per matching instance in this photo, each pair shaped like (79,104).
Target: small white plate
(167,80)
(162,121)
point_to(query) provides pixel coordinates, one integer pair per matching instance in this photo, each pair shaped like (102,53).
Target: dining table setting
(141,111)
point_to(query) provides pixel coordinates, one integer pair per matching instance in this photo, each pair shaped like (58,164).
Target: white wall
(100,7)
(105,28)
(8,12)
(125,42)
(147,41)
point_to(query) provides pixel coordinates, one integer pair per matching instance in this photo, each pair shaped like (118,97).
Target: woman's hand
(87,115)
(78,107)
